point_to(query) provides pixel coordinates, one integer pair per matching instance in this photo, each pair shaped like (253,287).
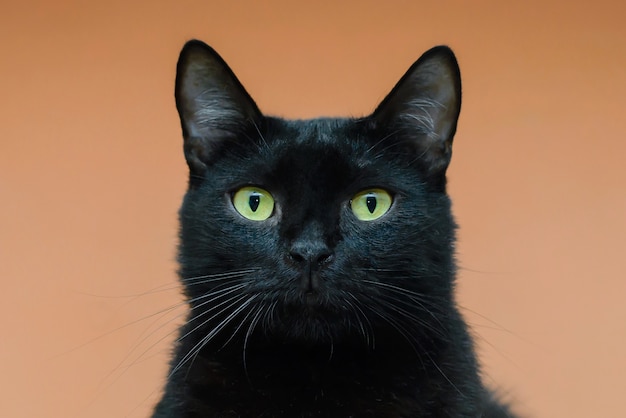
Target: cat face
(320,229)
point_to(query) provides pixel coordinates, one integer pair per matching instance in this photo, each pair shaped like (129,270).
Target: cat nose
(309,257)
(310,254)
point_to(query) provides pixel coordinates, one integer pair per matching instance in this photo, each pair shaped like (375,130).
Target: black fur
(313,312)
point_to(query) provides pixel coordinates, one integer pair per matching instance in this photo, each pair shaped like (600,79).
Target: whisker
(495,324)
(261,135)
(268,317)
(412,301)
(129,324)
(195,350)
(176,317)
(399,328)
(403,331)
(411,316)
(208,311)
(417,297)
(214,294)
(140,340)
(386,137)
(253,324)
(164,312)
(355,306)
(161,288)
(412,341)
(218,276)
(396,143)
(443,374)
(402,289)
(234,333)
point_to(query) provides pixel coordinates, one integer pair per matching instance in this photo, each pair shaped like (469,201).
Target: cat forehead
(330,131)
(322,155)
(320,147)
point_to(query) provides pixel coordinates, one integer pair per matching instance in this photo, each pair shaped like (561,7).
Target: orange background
(92,174)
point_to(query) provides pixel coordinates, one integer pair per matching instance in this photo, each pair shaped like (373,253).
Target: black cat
(317,256)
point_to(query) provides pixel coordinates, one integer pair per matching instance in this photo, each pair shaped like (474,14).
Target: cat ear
(424,107)
(212,104)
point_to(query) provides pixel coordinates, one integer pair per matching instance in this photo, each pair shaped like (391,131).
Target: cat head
(320,228)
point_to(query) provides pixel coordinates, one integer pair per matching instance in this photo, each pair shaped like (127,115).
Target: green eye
(371,204)
(254,203)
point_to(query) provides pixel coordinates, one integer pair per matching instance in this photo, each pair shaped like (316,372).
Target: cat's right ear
(212,104)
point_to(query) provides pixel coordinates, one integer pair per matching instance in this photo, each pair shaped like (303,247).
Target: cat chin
(310,325)
(310,334)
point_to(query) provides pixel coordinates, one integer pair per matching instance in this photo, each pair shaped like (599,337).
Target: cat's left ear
(424,107)
(212,104)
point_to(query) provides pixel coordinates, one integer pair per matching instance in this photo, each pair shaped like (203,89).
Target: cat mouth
(309,304)
(311,299)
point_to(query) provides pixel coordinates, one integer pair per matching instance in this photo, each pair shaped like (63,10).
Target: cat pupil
(370,201)
(254,202)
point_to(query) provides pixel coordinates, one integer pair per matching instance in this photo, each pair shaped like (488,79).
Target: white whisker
(253,324)
(195,350)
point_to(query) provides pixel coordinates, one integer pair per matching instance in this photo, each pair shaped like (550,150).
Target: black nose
(309,257)
(309,254)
